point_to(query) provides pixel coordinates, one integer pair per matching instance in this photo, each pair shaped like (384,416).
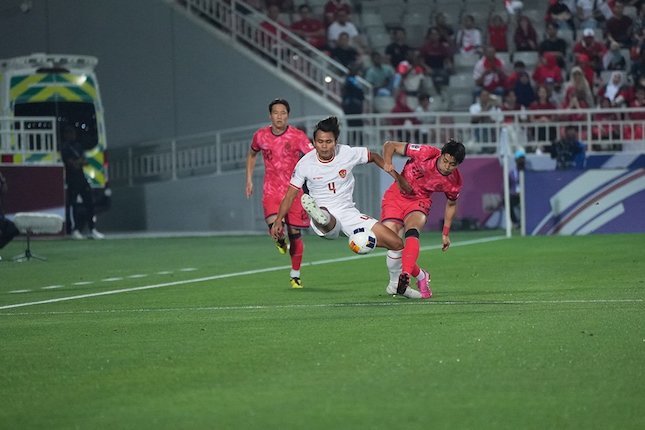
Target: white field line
(224,276)
(397,302)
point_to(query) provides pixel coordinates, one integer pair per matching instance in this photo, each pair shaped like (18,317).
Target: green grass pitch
(205,333)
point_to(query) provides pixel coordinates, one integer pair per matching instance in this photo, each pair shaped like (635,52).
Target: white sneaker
(95,234)
(310,206)
(410,293)
(76,235)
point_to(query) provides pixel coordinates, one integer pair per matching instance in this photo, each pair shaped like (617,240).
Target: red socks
(296,249)
(410,256)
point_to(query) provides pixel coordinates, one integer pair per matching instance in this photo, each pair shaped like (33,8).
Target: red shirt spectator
(497,30)
(604,122)
(489,71)
(332,7)
(635,130)
(401,106)
(525,35)
(589,46)
(434,51)
(582,61)
(543,103)
(311,29)
(518,68)
(548,68)
(638,102)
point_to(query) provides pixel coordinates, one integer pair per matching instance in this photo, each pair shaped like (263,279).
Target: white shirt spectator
(336,28)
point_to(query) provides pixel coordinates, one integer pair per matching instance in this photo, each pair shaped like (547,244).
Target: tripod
(28,255)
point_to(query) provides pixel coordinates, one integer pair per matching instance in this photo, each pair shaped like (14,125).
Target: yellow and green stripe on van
(42,87)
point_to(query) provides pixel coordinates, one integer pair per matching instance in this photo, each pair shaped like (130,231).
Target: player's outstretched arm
(449,214)
(277,228)
(391,147)
(250,165)
(400,180)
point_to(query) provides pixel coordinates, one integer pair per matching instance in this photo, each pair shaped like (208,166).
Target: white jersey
(330,183)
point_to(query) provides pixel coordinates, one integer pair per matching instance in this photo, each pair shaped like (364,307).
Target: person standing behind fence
(77,185)
(281,146)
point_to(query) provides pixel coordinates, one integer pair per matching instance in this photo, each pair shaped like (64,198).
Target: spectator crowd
(590,53)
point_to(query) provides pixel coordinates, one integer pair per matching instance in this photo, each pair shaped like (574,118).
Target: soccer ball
(362,242)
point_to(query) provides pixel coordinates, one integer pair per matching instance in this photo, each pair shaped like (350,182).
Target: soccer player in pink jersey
(282,146)
(427,170)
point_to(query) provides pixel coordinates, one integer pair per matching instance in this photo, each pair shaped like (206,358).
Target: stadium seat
(530,58)
(506,58)
(379,41)
(422,7)
(461,102)
(383,104)
(465,62)
(390,11)
(461,82)
(371,19)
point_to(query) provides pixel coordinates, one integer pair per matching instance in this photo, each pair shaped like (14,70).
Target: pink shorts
(296,217)
(395,207)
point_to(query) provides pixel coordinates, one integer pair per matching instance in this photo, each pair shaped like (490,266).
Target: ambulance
(62,87)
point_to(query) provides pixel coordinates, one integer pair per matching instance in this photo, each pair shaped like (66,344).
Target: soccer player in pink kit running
(427,170)
(281,146)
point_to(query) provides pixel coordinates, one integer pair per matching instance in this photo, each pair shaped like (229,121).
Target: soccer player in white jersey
(330,181)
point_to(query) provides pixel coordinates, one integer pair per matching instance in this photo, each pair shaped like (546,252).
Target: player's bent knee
(412,232)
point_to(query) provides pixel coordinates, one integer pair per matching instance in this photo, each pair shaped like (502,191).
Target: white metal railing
(33,139)
(226,150)
(284,50)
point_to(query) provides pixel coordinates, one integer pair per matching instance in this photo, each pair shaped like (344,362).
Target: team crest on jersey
(342,173)
(414,146)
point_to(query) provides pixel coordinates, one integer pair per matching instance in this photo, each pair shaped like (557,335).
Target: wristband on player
(446,230)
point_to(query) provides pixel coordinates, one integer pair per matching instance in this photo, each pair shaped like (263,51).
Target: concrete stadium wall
(211,203)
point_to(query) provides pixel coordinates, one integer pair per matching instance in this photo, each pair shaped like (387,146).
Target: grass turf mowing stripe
(402,301)
(224,276)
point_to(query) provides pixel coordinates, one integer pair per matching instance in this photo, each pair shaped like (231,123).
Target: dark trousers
(82,215)
(8,231)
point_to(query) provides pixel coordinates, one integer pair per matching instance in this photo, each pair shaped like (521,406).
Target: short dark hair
(456,149)
(329,124)
(280,102)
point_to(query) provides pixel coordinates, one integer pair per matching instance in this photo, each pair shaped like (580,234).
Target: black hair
(280,102)
(456,149)
(329,124)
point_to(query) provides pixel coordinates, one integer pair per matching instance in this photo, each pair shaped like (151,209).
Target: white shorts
(347,221)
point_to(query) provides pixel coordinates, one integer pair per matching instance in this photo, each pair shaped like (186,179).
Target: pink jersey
(280,153)
(423,176)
